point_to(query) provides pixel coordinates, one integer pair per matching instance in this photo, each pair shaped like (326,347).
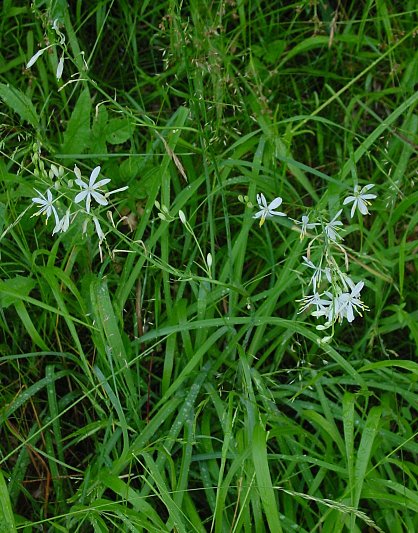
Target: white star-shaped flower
(360,199)
(47,207)
(347,303)
(92,189)
(63,224)
(331,229)
(318,272)
(268,211)
(305,225)
(321,305)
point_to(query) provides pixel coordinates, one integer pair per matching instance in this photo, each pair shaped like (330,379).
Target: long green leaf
(364,452)
(264,484)
(7,521)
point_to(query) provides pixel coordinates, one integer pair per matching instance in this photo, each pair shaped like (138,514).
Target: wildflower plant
(128,385)
(334,295)
(68,196)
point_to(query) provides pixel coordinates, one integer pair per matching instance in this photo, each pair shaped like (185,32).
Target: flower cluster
(336,305)
(80,203)
(335,296)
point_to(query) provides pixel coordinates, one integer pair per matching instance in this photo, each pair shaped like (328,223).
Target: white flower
(182,217)
(340,306)
(322,305)
(84,226)
(55,27)
(267,211)
(47,207)
(331,229)
(116,190)
(347,303)
(346,281)
(99,230)
(318,272)
(91,190)
(56,172)
(326,310)
(63,224)
(60,67)
(305,225)
(360,199)
(36,56)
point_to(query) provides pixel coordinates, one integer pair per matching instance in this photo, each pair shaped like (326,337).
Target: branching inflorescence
(61,200)
(335,296)
(66,205)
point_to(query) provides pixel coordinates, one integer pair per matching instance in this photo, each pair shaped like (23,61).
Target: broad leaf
(12,290)
(20,103)
(77,134)
(118,131)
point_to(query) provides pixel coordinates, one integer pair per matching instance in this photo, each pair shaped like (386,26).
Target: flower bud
(182,217)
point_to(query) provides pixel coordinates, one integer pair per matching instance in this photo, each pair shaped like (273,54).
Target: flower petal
(77,172)
(60,68)
(81,183)
(35,57)
(349,199)
(368,187)
(100,183)
(275,203)
(100,199)
(99,230)
(357,289)
(80,196)
(349,313)
(362,207)
(93,176)
(261,200)
(277,213)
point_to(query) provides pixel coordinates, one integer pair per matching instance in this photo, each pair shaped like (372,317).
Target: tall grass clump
(208,269)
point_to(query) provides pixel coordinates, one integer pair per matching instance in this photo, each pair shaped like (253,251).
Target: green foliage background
(146,392)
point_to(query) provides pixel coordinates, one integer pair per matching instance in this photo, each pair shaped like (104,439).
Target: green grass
(145,390)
